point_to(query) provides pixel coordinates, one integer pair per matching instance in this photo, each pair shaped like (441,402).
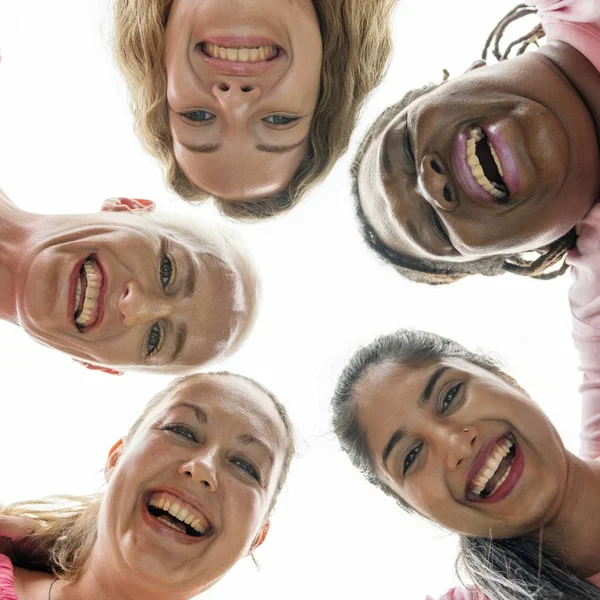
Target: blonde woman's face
(243,83)
(210,456)
(122,289)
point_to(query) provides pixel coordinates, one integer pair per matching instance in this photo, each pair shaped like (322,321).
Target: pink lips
(505,156)
(226,67)
(512,479)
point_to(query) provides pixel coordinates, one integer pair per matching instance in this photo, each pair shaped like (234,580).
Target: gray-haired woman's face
(464,447)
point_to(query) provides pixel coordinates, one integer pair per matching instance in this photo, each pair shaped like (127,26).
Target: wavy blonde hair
(69,524)
(357,46)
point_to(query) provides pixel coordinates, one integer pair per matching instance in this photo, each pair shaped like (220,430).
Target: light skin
(241,135)
(447,411)
(169,302)
(210,440)
(546,104)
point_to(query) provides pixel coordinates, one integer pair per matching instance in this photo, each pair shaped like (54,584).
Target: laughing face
(501,160)
(243,82)
(128,289)
(463,446)
(189,494)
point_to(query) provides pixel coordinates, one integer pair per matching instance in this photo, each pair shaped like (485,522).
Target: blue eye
(450,396)
(198,116)
(246,466)
(154,339)
(410,458)
(166,271)
(279,120)
(180,430)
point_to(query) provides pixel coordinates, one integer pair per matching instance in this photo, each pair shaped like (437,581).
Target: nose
(138,307)
(201,469)
(234,93)
(434,183)
(459,446)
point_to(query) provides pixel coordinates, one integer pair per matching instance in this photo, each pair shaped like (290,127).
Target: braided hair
(546,265)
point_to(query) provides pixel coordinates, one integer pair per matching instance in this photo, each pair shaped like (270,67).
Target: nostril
(447,194)
(247,88)
(436,167)
(223,87)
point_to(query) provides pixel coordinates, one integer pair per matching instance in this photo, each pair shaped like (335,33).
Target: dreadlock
(544,266)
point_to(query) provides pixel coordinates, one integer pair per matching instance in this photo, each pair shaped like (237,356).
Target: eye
(167,271)
(410,458)
(438,226)
(449,397)
(180,430)
(154,339)
(279,120)
(198,116)
(248,468)
(407,145)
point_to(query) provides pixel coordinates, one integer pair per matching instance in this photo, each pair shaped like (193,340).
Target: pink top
(576,22)
(7,579)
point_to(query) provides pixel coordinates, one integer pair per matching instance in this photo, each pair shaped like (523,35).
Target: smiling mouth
(240,54)
(485,165)
(177,515)
(495,471)
(90,282)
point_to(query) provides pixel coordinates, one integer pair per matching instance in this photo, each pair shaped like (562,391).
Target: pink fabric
(7,579)
(576,22)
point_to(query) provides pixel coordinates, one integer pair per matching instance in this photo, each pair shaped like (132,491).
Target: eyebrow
(190,281)
(248,438)
(421,403)
(199,412)
(279,149)
(180,338)
(203,148)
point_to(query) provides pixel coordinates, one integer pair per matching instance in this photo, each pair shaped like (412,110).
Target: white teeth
(256,54)
(487,471)
(89,311)
(179,512)
(476,135)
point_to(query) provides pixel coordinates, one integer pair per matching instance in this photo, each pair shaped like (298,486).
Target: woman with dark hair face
(249,102)
(490,172)
(451,437)
(126,287)
(189,493)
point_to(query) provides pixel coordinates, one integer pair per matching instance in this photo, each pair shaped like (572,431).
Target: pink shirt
(7,579)
(576,22)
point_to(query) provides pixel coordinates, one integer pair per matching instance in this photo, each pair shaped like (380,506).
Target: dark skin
(545,106)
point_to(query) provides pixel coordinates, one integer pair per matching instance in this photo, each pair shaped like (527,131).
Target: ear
(477,65)
(260,537)
(92,367)
(128,205)
(113,458)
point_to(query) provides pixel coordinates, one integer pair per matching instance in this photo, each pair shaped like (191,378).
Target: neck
(580,73)
(574,532)
(13,232)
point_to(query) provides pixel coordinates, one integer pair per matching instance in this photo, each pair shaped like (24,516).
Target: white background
(66,143)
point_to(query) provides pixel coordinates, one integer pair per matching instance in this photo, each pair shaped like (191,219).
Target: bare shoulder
(32,585)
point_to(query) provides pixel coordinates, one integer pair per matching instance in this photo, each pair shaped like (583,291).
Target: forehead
(233,404)
(238,171)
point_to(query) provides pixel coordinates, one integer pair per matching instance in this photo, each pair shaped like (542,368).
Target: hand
(17,528)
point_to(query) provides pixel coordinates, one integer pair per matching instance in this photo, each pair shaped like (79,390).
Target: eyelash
(287,120)
(155,335)
(190,116)
(410,458)
(438,227)
(186,432)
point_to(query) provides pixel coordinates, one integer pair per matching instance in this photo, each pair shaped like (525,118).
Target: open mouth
(499,472)
(241,54)
(485,165)
(88,291)
(176,514)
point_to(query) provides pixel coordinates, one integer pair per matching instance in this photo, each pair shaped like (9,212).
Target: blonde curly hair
(68,525)
(357,46)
